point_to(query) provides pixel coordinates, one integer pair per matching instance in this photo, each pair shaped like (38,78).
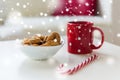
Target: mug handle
(102,38)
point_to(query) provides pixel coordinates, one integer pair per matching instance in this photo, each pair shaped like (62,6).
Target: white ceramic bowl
(40,52)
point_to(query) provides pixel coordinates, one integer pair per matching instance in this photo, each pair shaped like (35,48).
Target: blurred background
(23,18)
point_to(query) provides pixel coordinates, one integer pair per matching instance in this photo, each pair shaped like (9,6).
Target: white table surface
(14,65)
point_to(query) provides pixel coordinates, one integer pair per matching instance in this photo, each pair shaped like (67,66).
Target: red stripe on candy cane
(78,67)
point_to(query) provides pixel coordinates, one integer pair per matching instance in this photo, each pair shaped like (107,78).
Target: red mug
(80,37)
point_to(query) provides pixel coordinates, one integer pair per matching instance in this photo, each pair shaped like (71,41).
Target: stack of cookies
(39,40)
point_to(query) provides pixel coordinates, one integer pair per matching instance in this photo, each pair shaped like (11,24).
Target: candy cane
(78,67)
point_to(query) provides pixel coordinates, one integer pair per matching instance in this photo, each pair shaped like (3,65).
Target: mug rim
(80,22)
